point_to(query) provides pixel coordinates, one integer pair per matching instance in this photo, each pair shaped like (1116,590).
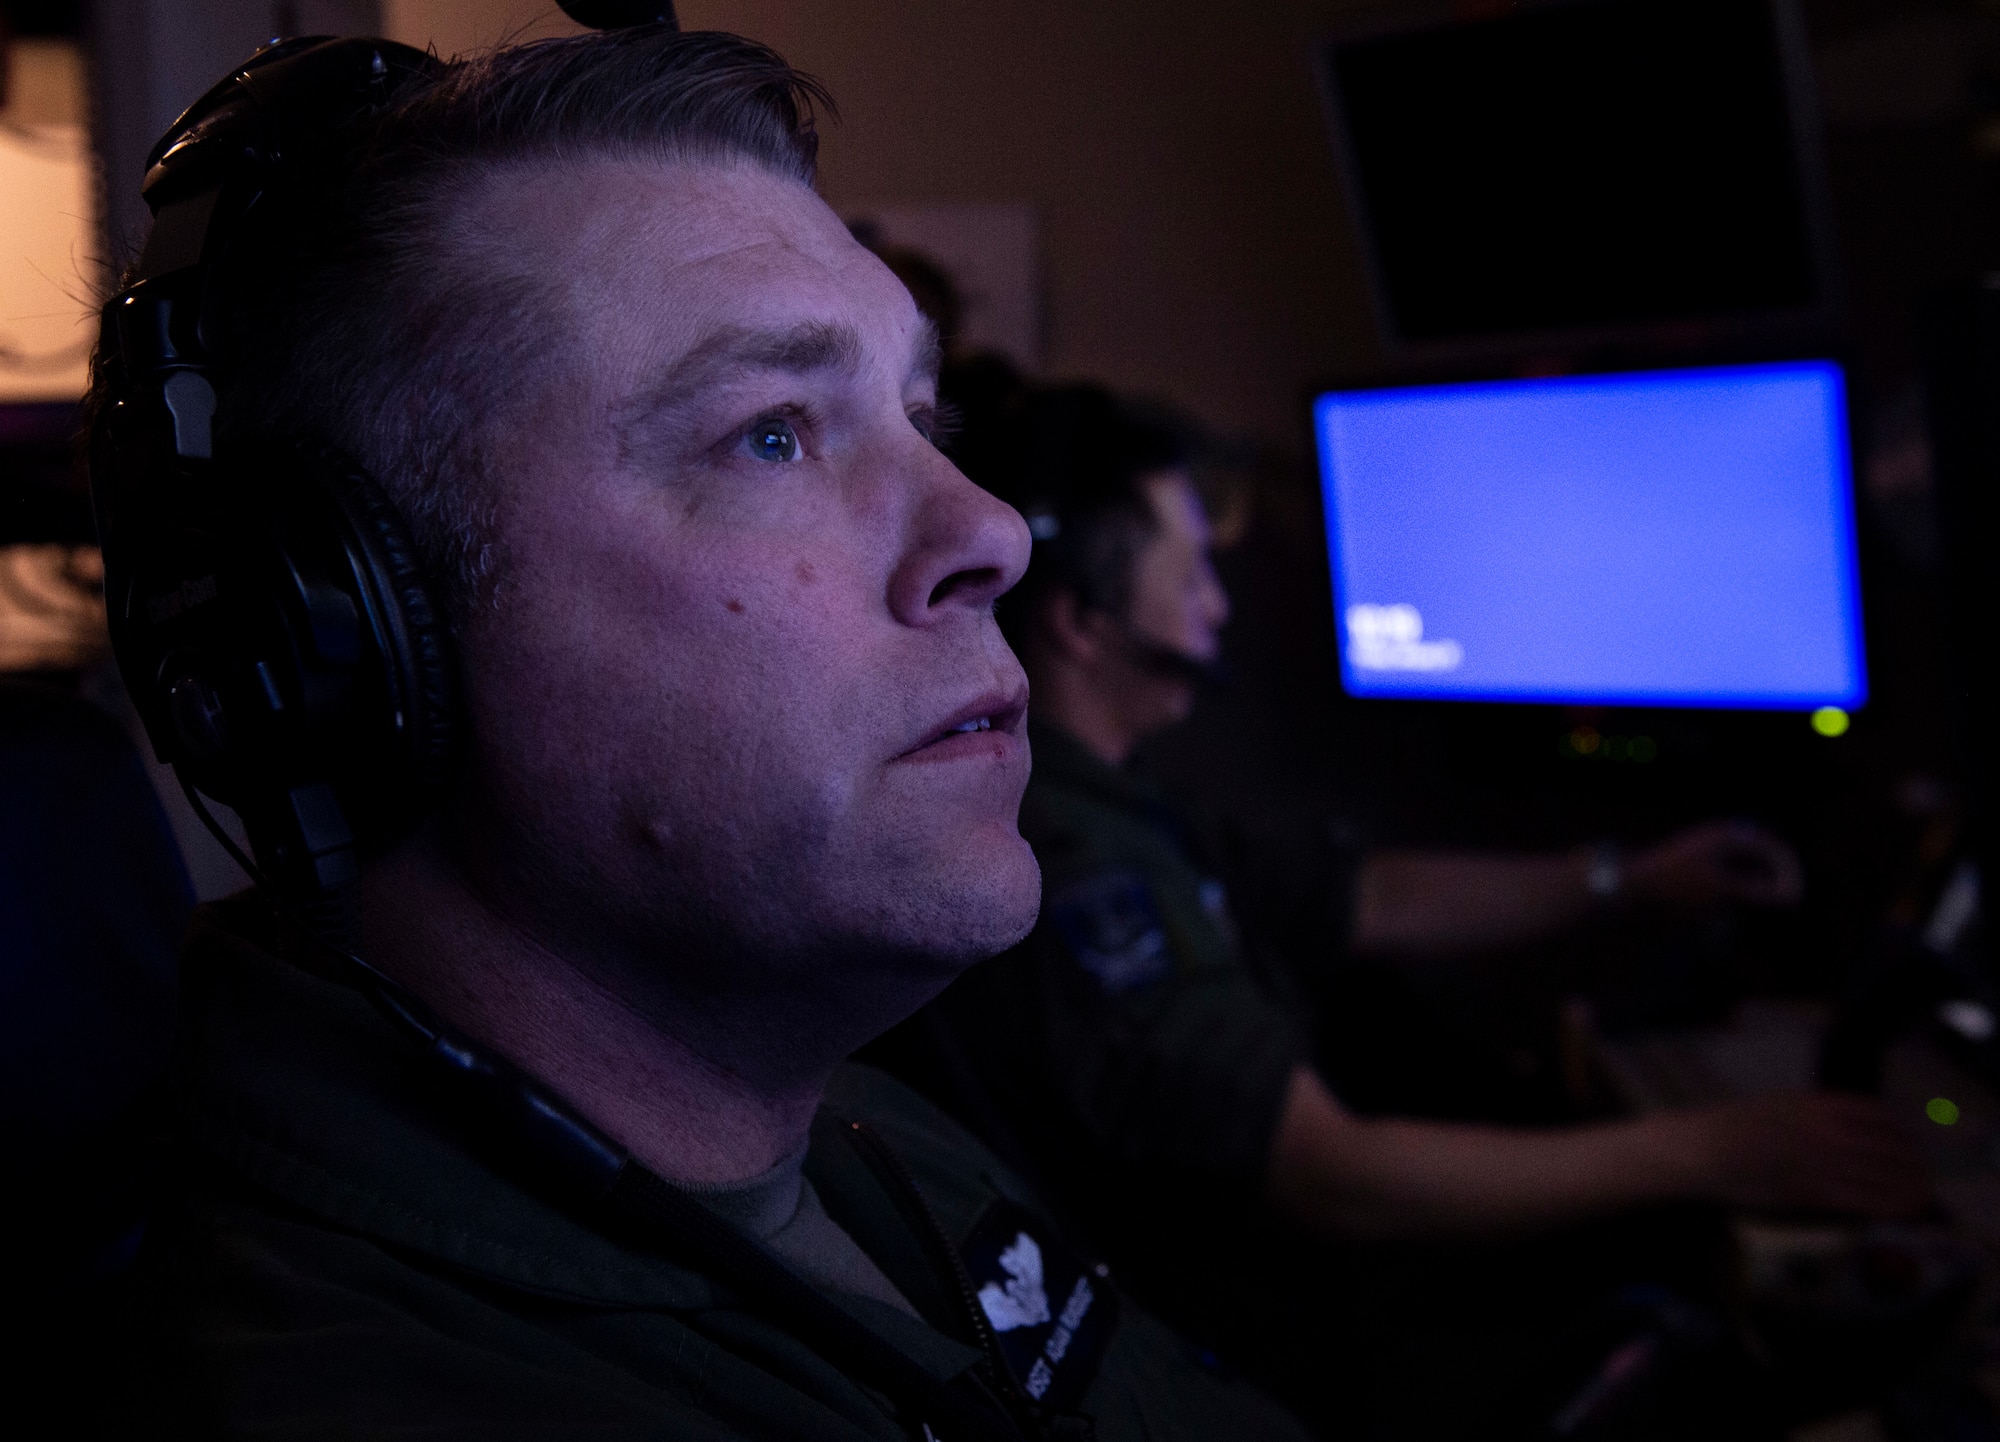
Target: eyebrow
(808,348)
(802,349)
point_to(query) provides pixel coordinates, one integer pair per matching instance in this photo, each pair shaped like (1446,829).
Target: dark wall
(1194,241)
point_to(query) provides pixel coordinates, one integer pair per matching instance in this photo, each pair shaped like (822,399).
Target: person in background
(1161,1079)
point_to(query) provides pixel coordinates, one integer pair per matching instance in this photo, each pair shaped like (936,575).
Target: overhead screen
(1586,164)
(1670,538)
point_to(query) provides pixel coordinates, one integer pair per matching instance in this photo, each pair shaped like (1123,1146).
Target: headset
(1058,464)
(267,609)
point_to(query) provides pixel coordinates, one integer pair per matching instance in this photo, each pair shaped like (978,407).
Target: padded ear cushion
(417,633)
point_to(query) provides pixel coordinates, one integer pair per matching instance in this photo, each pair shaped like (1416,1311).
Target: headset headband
(203,178)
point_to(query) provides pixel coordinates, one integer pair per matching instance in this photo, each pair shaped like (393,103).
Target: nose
(964,548)
(1214,595)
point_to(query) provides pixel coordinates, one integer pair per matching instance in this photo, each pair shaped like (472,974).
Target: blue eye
(774,440)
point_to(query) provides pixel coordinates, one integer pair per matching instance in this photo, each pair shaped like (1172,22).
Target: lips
(972,725)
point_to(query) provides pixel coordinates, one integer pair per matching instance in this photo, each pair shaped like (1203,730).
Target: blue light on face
(1670,538)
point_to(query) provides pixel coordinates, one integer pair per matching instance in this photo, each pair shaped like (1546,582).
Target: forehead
(647,257)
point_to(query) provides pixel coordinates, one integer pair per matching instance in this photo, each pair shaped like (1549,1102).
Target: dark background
(1197,248)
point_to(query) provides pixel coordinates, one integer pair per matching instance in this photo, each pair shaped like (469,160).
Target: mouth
(978,726)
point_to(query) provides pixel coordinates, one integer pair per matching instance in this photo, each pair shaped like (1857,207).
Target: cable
(585,1158)
(410,1015)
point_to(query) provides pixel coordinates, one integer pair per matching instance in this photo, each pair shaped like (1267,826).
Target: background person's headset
(284,650)
(1064,456)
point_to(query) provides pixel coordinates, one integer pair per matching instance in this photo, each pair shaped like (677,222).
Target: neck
(679,1112)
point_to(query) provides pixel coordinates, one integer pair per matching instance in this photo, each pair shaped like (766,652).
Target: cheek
(1158,603)
(678,674)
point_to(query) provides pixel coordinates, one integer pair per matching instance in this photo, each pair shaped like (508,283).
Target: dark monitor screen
(1669,538)
(1588,165)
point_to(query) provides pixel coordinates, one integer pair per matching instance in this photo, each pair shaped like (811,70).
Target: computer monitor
(1649,538)
(1569,169)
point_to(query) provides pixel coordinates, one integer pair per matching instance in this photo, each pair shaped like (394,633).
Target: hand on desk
(1717,862)
(1388,1176)
(1803,1151)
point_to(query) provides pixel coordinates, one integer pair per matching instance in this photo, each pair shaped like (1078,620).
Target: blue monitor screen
(1664,538)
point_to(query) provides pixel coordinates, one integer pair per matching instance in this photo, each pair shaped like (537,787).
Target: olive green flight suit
(338,1258)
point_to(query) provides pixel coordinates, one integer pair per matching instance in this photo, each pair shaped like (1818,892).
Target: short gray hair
(357,321)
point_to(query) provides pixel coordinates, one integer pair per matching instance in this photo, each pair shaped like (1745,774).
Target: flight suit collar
(296,1084)
(1062,760)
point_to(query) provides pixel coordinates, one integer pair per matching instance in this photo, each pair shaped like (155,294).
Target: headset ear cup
(415,633)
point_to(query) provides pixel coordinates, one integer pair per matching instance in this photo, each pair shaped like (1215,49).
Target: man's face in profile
(741,704)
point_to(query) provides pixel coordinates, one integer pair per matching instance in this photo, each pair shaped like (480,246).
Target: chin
(1177,709)
(1002,899)
(976,907)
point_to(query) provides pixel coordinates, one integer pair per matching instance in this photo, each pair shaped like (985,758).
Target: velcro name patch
(1052,1313)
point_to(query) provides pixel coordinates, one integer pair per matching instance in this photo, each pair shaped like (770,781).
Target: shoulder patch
(1111,926)
(1051,1313)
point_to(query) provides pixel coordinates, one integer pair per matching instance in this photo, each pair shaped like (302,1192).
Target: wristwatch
(1605,877)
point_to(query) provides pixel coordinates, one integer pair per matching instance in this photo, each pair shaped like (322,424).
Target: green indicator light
(1644,748)
(1831,721)
(1942,1110)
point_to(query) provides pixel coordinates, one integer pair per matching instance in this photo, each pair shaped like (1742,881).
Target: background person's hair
(1073,460)
(362,314)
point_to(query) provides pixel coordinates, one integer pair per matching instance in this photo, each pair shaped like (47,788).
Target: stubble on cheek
(755,755)
(718,715)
